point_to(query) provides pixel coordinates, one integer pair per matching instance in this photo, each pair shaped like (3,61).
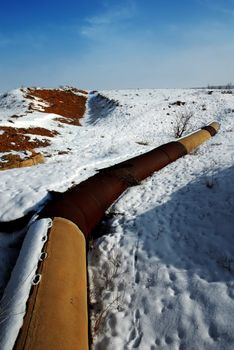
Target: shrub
(182,123)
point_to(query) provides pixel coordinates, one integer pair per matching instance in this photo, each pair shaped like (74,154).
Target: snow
(12,103)
(112,137)
(161,275)
(13,302)
(175,281)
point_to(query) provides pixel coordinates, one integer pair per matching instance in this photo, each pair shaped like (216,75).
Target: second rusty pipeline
(86,204)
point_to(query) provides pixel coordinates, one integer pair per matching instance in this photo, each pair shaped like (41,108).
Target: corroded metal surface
(210,129)
(86,203)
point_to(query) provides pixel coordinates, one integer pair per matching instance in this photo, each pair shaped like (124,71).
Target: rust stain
(86,203)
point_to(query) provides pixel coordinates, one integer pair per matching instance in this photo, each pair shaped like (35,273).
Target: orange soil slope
(63,102)
(66,103)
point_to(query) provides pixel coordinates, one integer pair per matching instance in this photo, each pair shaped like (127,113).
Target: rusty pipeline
(59,301)
(86,203)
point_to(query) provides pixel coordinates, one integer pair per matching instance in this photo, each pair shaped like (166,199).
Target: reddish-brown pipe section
(86,203)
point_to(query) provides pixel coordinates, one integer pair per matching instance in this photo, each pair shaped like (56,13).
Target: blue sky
(107,44)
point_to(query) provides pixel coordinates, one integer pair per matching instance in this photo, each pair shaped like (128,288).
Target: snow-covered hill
(161,276)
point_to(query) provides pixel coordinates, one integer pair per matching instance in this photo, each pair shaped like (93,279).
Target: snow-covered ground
(161,276)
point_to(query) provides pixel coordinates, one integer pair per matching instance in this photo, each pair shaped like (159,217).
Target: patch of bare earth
(10,161)
(62,102)
(19,139)
(69,103)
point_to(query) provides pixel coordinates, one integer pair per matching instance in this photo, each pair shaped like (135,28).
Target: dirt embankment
(70,104)
(20,139)
(62,102)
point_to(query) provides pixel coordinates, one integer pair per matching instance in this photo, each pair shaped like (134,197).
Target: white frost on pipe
(13,302)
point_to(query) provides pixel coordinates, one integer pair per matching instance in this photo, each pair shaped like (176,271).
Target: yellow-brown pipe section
(57,314)
(195,139)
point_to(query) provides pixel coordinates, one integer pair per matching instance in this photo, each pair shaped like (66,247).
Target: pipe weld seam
(168,156)
(210,129)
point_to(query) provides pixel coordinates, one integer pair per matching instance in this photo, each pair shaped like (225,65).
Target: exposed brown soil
(32,131)
(227,92)
(177,103)
(14,160)
(62,152)
(15,139)
(18,139)
(63,102)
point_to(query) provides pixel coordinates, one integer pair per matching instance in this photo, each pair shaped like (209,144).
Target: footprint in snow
(137,277)
(121,242)
(136,334)
(172,277)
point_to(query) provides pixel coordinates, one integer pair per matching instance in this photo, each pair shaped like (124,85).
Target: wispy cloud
(225,7)
(110,20)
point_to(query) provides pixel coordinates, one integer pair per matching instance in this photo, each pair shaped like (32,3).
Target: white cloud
(119,54)
(100,25)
